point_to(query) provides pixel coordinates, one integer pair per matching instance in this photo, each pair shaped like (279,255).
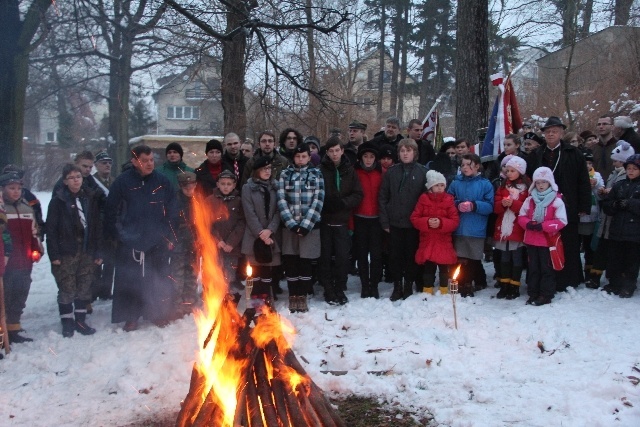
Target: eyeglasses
(268,140)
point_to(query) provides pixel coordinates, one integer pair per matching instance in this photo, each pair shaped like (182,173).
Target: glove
(465,207)
(534,226)
(301,231)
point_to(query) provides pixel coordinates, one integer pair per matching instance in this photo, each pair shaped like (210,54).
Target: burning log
(274,391)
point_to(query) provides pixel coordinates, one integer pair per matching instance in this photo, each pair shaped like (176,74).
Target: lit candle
(453,290)
(249,286)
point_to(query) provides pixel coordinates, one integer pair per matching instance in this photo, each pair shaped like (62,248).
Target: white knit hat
(505,159)
(543,174)
(622,152)
(433,178)
(518,163)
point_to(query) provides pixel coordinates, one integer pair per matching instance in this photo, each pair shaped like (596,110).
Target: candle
(249,286)
(453,290)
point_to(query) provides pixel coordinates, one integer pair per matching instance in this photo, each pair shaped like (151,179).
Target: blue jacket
(141,211)
(478,190)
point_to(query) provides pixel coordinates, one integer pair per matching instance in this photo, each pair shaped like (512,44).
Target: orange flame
(456,273)
(249,270)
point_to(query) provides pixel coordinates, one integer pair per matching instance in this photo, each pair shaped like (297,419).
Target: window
(51,137)
(370,84)
(183,113)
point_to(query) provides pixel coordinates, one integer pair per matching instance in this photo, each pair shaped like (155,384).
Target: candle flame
(249,271)
(455,274)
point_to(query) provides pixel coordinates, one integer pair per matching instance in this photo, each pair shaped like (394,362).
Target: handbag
(556,251)
(262,251)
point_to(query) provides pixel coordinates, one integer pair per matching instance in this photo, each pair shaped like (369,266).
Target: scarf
(214,170)
(542,200)
(509,217)
(264,186)
(366,169)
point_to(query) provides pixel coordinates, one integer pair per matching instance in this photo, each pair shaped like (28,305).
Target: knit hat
(185,178)
(433,178)
(518,163)
(227,174)
(175,147)
(213,144)
(543,174)
(10,178)
(505,159)
(633,160)
(261,162)
(622,151)
(447,144)
(386,150)
(302,148)
(367,147)
(623,122)
(312,140)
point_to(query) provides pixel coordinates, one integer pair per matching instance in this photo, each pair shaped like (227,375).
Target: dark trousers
(403,244)
(472,271)
(368,240)
(334,242)
(571,274)
(262,277)
(430,274)
(142,288)
(16,290)
(585,241)
(541,280)
(103,282)
(623,265)
(601,257)
(298,273)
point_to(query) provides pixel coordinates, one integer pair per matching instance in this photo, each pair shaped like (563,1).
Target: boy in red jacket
(26,249)
(436,217)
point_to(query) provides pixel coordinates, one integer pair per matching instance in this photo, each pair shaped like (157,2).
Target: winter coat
(478,190)
(65,232)
(206,182)
(602,156)
(141,211)
(300,197)
(342,191)
(445,165)
(370,182)
(228,223)
(185,229)
(399,194)
(228,163)
(351,152)
(593,214)
(555,218)
(172,170)
(571,176)
(380,139)
(517,234)
(436,244)
(632,137)
(22,227)
(278,164)
(625,223)
(257,219)
(426,153)
(605,220)
(3,232)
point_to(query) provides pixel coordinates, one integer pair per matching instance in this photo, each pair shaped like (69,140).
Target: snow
(489,372)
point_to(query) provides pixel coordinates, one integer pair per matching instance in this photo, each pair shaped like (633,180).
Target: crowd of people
(389,208)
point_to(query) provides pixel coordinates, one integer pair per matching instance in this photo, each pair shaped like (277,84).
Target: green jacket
(171,171)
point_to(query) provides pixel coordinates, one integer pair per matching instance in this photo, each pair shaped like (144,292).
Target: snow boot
(374,291)
(68,327)
(16,338)
(81,324)
(428,290)
(293,304)
(341,297)
(397,291)
(365,291)
(407,289)
(514,290)
(302,304)
(504,288)
(444,290)
(330,294)
(593,280)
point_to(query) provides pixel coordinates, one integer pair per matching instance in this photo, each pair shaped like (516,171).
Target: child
(588,222)
(25,250)
(436,217)
(623,204)
(300,200)
(620,153)
(366,221)
(184,258)
(263,225)
(228,225)
(387,156)
(508,235)
(400,190)
(74,242)
(473,195)
(542,214)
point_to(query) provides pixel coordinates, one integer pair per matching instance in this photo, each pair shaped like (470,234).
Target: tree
(140,118)
(17,33)
(472,82)
(622,12)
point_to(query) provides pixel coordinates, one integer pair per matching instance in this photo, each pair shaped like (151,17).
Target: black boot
(407,289)
(81,317)
(16,338)
(330,295)
(514,291)
(373,289)
(68,327)
(504,289)
(365,291)
(397,291)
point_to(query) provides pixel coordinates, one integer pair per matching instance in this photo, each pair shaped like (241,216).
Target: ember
(247,374)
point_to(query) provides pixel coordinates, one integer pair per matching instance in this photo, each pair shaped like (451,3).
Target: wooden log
(277,388)
(193,400)
(320,407)
(262,383)
(336,418)
(253,404)
(293,405)
(207,412)
(307,409)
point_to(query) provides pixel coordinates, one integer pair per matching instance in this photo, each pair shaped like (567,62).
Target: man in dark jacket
(602,149)
(425,149)
(356,138)
(289,139)
(570,171)
(140,215)
(391,134)
(174,165)
(343,193)
(233,160)
(623,130)
(266,148)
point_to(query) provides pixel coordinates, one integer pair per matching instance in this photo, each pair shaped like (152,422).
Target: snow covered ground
(489,372)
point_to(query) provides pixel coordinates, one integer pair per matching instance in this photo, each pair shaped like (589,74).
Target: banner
(505,119)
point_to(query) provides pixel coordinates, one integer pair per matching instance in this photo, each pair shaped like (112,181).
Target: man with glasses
(605,145)
(266,147)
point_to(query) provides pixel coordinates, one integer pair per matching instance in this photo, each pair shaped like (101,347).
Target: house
(189,103)
(600,68)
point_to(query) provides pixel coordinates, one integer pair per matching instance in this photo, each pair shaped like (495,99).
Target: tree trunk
(314,104)
(424,86)
(383,25)
(15,45)
(395,70)
(472,79)
(569,22)
(233,76)
(622,12)
(586,19)
(403,66)
(119,92)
